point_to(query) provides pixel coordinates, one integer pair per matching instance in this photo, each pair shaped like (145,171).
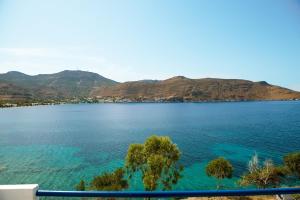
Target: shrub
(219,168)
(292,162)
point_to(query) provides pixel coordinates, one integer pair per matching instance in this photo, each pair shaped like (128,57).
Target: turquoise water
(56,146)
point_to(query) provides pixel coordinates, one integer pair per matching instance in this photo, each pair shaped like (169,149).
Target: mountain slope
(9,91)
(184,89)
(65,84)
(76,84)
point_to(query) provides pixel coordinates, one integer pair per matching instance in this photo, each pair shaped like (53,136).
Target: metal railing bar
(161,194)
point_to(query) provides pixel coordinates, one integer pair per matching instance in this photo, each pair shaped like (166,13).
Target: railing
(32,192)
(166,194)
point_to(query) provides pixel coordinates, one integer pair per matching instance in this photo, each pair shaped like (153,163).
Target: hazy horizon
(135,40)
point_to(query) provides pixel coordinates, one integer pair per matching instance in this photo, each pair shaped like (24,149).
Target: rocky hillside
(76,84)
(65,84)
(184,89)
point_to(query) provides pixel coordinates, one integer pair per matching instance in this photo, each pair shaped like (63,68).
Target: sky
(154,39)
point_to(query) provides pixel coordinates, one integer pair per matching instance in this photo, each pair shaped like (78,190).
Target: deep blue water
(56,146)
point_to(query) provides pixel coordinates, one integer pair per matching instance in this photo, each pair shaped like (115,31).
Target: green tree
(219,168)
(292,162)
(110,181)
(157,160)
(80,186)
(262,176)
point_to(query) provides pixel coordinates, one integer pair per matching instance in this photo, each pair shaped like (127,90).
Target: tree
(157,160)
(110,181)
(262,176)
(219,168)
(292,162)
(80,186)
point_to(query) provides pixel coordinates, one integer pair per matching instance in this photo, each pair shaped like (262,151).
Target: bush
(292,162)
(110,181)
(80,186)
(262,176)
(219,168)
(106,181)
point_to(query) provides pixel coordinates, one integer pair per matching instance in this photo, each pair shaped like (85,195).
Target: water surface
(56,146)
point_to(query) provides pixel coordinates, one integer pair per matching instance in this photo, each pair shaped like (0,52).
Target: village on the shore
(95,100)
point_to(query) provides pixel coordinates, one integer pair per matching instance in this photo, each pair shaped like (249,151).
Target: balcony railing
(31,192)
(166,194)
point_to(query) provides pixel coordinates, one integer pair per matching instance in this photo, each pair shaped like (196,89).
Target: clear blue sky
(155,39)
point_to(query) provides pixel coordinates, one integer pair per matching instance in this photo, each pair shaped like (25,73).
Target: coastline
(14,104)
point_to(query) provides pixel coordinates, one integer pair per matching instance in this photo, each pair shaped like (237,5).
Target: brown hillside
(185,89)
(11,92)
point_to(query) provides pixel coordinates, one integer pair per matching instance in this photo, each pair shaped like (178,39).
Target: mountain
(180,88)
(65,84)
(76,84)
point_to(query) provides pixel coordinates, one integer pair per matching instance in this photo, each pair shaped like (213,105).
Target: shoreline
(88,101)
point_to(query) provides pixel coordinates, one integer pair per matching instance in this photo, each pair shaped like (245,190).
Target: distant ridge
(81,84)
(65,84)
(180,89)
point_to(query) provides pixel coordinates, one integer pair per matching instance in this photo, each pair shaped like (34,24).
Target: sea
(57,146)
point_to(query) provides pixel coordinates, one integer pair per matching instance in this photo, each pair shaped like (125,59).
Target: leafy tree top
(219,168)
(110,181)
(157,160)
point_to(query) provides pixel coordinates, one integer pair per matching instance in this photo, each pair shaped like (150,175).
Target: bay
(56,146)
